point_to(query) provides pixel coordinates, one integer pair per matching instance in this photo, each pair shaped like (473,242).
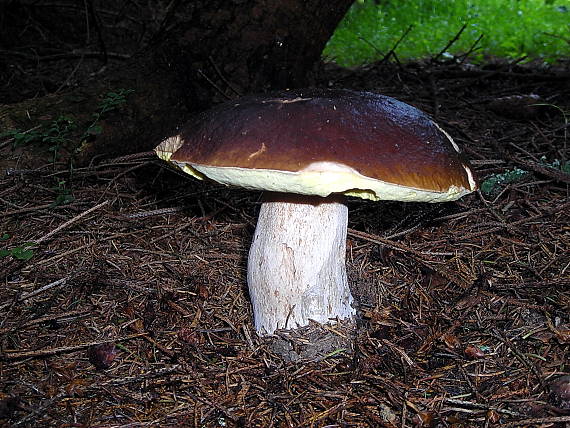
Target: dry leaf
(203,291)
(493,416)
(451,341)
(560,392)
(562,334)
(191,337)
(473,352)
(423,419)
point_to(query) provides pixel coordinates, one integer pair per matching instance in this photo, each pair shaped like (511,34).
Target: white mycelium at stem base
(296,267)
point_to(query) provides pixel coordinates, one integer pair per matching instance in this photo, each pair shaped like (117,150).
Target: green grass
(537,29)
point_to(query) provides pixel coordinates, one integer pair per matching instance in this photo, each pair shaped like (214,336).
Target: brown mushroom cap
(323,141)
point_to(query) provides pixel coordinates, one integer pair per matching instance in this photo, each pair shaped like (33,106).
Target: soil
(133,310)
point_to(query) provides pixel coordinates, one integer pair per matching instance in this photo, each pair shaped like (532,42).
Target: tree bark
(219,49)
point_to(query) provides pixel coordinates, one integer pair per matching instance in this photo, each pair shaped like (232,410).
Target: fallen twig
(469,236)
(53,317)
(537,421)
(450,42)
(385,242)
(41,409)
(522,358)
(543,169)
(39,353)
(40,290)
(464,403)
(392,52)
(70,222)
(419,256)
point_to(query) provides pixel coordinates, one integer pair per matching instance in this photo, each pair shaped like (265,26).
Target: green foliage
(510,29)
(556,164)
(64,195)
(493,183)
(59,132)
(22,252)
(112,101)
(25,251)
(53,135)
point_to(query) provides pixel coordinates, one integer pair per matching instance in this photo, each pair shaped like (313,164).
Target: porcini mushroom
(308,148)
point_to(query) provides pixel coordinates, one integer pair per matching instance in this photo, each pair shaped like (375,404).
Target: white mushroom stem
(296,268)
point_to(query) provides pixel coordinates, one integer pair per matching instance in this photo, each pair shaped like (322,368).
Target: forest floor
(129,306)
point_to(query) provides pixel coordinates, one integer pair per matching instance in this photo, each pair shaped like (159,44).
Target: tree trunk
(219,49)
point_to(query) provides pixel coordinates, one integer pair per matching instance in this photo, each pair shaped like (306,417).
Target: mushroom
(308,148)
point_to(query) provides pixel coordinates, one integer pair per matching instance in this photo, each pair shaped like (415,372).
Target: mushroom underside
(296,266)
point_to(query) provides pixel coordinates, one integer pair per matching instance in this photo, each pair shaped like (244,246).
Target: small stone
(102,356)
